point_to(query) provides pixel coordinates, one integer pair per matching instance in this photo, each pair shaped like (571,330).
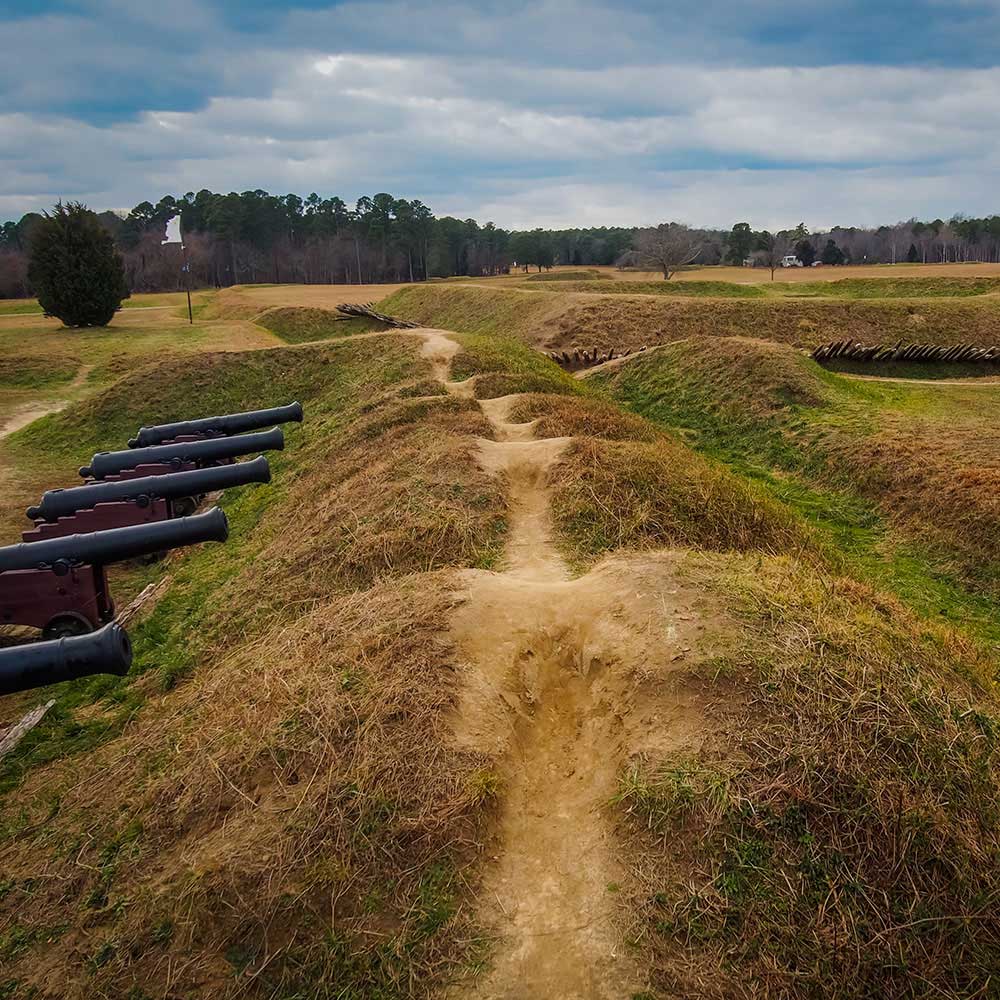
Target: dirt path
(27,413)
(551,689)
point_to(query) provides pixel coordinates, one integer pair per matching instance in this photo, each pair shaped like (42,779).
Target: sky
(554,113)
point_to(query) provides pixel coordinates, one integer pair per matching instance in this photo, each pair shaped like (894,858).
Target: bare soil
(563,680)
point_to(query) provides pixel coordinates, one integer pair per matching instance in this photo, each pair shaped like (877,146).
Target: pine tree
(832,254)
(913,255)
(75,270)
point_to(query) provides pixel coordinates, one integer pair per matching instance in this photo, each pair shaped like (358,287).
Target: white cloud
(527,145)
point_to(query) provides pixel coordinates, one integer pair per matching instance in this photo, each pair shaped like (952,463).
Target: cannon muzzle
(109,463)
(62,503)
(227,424)
(106,651)
(102,547)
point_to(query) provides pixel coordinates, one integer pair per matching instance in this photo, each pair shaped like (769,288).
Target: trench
(543,693)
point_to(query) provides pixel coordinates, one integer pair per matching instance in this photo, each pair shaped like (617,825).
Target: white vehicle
(790,260)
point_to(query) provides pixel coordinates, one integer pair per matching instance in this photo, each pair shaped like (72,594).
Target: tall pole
(186,268)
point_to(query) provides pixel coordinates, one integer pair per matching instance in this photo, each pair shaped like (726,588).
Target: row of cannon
(139,502)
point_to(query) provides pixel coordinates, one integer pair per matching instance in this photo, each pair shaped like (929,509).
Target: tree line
(259,237)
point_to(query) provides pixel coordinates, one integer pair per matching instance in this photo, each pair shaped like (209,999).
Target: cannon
(180,456)
(60,585)
(101,505)
(35,664)
(221,426)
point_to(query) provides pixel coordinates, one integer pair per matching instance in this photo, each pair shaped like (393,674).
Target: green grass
(777,432)
(298,325)
(141,300)
(915,370)
(504,312)
(37,371)
(584,275)
(505,365)
(19,307)
(189,620)
(889,288)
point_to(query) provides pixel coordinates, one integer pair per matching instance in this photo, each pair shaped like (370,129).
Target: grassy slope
(276,757)
(298,325)
(836,835)
(290,817)
(553,317)
(896,478)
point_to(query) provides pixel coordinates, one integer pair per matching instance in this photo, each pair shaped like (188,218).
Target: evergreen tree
(913,255)
(74,267)
(806,252)
(832,254)
(741,243)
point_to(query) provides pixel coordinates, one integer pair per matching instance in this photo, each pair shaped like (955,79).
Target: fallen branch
(368,311)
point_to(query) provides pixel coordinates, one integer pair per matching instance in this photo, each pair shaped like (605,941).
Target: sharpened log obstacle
(367,310)
(579,360)
(115,504)
(849,350)
(224,425)
(60,586)
(106,651)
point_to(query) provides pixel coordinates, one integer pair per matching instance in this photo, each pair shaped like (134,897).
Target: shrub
(75,269)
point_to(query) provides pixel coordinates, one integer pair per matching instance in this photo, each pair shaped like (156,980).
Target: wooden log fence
(367,310)
(849,350)
(579,360)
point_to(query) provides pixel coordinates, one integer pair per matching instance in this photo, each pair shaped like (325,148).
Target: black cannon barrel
(229,423)
(103,547)
(60,503)
(106,651)
(108,463)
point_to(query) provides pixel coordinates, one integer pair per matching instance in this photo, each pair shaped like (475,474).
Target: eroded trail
(27,413)
(551,688)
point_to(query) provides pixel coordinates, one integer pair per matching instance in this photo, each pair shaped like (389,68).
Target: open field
(676,679)
(796,275)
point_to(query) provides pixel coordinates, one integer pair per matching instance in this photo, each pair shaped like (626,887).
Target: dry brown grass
(249,301)
(289,818)
(400,493)
(838,837)
(613,495)
(552,319)
(941,480)
(798,275)
(623,322)
(569,416)
(295,820)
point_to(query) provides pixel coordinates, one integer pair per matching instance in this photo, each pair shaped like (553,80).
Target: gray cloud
(549,113)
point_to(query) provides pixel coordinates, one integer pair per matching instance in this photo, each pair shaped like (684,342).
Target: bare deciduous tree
(668,247)
(771,247)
